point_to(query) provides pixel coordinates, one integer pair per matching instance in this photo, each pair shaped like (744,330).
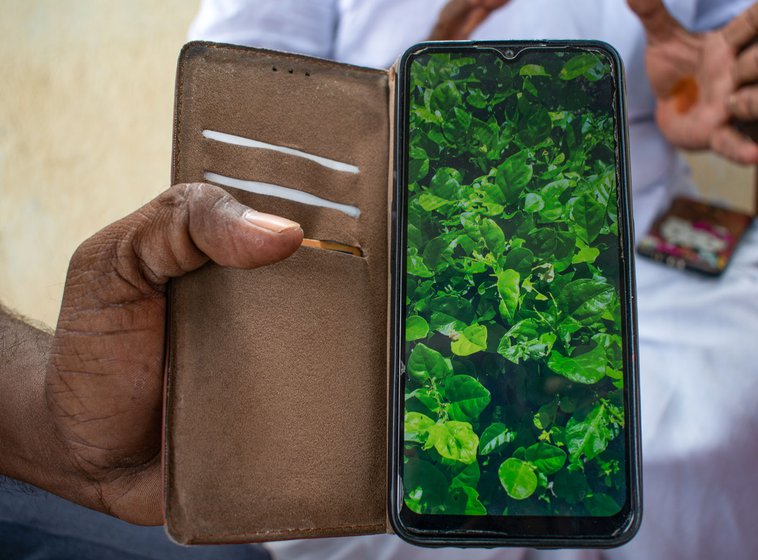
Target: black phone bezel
(530,531)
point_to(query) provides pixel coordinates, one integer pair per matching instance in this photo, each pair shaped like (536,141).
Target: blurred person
(697,356)
(80,410)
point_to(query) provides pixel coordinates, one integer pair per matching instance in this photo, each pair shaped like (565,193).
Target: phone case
(277,418)
(277,378)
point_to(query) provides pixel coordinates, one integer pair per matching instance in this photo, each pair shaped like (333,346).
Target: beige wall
(86,99)
(86,96)
(722,182)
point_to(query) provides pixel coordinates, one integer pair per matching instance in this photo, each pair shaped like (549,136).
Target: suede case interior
(276,389)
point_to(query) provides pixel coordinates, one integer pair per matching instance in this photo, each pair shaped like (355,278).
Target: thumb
(188,224)
(658,22)
(173,234)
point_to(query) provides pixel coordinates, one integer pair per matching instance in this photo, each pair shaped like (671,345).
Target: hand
(693,78)
(743,104)
(104,384)
(459,18)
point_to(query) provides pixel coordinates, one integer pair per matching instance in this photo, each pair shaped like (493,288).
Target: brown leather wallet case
(277,378)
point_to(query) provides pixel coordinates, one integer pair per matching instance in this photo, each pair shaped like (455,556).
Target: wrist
(32,451)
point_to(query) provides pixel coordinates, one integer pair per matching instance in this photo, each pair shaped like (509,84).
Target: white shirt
(698,349)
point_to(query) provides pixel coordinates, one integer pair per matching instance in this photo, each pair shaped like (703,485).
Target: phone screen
(516,333)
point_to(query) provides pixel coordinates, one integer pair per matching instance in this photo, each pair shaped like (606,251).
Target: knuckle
(199,195)
(174,205)
(731,151)
(720,144)
(752,17)
(223,202)
(719,147)
(740,105)
(82,254)
(188,193)
(736,73)
(96,248)
(178,195)
(746,105)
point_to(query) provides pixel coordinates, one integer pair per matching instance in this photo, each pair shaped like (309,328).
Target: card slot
(321,113)
(337,112)
(282,400)
(317,223)
(326,245)
(282,169)
(236,140)
(279,191)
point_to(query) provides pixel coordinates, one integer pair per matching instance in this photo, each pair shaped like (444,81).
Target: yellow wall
(722,182)
(86,94)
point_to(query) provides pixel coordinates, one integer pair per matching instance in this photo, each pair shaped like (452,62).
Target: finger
(734,146)
(490,4)
(746,67)
(659,24)
(742,29)
(477,15)
(459,18)
(191,223)
(469,24)
(743,104)
(446,27)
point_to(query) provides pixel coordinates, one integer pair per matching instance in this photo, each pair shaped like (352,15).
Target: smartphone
(514,402)
(695,235)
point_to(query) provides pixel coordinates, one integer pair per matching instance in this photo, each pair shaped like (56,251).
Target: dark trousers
(36,525)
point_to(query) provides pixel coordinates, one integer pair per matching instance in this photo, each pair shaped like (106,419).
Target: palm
(691,79)
(104,385)
(692,75)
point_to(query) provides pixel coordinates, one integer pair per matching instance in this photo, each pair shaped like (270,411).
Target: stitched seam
(294,530)
(179,116)
(298,58)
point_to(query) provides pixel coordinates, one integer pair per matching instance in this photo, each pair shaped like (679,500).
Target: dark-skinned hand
(104,385)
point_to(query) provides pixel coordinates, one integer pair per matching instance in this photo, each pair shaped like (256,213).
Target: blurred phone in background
(695,235)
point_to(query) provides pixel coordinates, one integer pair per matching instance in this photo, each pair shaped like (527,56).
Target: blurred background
(86,106)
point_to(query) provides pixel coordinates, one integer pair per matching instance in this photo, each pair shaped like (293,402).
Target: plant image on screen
(513,393)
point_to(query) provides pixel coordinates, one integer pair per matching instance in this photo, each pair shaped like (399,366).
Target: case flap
(276,422)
